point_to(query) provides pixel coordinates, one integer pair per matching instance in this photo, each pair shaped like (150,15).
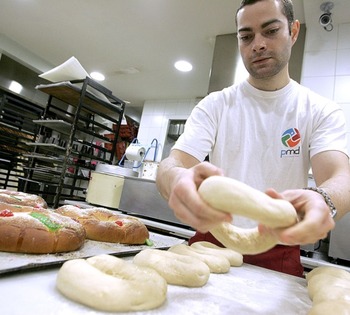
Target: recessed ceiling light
(15,87)
(183,66)
(97,76)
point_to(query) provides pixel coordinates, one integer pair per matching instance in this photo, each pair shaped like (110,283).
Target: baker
(265,131)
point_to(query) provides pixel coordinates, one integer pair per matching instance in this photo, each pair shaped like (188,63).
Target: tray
(13,262)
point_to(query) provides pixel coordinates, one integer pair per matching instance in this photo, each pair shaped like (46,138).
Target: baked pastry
(21,198)
(106,225)
(39,231)
(18,208)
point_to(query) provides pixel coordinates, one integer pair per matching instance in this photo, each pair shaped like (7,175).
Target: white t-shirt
(264,139)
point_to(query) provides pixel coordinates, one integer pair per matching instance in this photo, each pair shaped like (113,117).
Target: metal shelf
(16,131)
(79,113)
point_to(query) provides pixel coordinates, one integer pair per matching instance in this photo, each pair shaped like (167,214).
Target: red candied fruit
(120,223)
(6,213)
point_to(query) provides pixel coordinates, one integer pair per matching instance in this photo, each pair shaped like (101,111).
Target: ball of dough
(111,284)
(174,268)
(216,263)
(235,258)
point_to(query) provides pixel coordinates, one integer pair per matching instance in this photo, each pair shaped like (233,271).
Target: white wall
(326,65)
(326,70)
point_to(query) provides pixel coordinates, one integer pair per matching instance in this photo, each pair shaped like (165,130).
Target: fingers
(308,231)
(205,170)
(314,227)
(192,210)
(273,194)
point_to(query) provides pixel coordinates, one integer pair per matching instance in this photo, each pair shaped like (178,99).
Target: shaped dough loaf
(111,284)
(174,268)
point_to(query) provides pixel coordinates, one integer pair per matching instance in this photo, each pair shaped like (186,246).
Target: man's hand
(188,206)
(315,220)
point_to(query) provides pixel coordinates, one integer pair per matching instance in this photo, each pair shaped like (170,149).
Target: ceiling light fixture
(15,87)
(183,66)
(97,76)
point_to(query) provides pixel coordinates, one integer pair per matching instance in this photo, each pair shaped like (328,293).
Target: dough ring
(108,283)
(235,258)
(329,270)
(176,269)
(323,282)
(216,263)
(229,195)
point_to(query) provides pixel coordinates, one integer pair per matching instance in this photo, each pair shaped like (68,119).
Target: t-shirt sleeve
(200,130)
(330,131)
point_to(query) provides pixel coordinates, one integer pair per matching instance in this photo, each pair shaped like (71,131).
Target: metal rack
(17,130)
(72,139)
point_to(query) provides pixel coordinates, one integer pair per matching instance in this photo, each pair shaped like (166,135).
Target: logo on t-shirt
(290,139)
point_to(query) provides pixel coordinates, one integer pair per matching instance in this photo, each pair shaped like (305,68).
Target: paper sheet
(69,70)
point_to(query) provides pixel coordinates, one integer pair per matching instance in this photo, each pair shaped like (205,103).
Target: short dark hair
(287,9)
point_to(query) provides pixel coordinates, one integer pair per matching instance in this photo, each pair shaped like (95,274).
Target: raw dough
(334,293)
(174,268)
(111,284)
(244,241)
(229,195)
(216,263)
(232,196)
(325,282)
(235,258)
(333,271)
(329,290)
(338,307)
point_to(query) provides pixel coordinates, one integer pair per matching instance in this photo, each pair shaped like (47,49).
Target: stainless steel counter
(244,290)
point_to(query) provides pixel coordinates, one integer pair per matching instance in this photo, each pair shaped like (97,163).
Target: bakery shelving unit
(74,135)
(17,131)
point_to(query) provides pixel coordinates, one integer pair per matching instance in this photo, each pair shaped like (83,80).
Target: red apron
(281,258)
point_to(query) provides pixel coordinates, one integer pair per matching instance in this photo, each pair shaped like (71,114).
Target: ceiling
(133,42)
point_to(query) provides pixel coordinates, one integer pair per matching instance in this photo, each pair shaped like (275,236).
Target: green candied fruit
(16,198)
(148,242)
(46,221)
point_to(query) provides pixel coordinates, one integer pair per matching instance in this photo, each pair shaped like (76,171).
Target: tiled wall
(326,65)
(155,121)
(326,70)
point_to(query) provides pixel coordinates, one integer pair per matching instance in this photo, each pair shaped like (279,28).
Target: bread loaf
(39,231)
(21,198)
(106,225)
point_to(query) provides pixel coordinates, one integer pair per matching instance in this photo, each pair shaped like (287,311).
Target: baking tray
(14,262)
(245,290)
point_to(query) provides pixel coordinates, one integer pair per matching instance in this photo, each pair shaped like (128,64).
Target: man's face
(264,39)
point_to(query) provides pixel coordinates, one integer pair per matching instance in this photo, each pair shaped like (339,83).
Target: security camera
(325,19)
